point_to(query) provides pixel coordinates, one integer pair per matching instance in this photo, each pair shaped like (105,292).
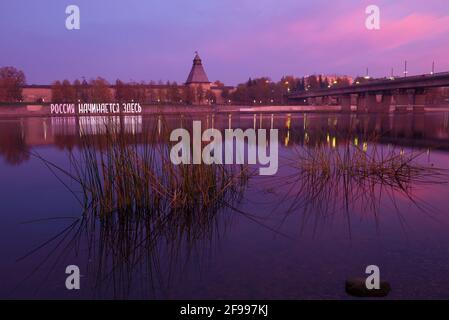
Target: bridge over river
(403,93)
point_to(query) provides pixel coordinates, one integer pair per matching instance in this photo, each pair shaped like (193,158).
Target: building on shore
(198,89)
(197,79)
(204,91)
(37,93)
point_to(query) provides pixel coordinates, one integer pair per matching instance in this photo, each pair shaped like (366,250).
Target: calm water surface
(274,242)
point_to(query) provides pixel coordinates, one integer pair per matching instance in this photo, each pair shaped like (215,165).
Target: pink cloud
(342,42)
(412,28)
(349,28)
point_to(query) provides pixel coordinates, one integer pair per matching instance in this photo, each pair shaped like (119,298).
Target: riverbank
(45,110)
(39,110)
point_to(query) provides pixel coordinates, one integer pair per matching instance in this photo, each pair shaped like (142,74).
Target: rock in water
(356,287)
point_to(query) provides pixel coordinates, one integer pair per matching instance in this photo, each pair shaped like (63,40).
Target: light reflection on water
(268,245)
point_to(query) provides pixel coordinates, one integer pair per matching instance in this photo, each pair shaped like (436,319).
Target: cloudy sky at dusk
(155,39)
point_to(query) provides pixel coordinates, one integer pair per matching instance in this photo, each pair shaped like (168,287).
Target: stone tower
(199,84)
(197,74)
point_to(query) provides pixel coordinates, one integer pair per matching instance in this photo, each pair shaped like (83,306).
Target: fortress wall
(36,94)
(44,94)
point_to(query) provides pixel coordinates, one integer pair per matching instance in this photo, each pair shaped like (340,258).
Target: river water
(288,236)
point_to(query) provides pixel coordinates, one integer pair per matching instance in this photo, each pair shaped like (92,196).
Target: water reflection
(17,136)
(13,145)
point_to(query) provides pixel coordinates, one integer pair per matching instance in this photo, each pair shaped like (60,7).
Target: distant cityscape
(197,90)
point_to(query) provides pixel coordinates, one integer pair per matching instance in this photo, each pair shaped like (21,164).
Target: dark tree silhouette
(11,83)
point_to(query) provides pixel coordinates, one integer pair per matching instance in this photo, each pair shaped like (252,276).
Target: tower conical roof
(197,73)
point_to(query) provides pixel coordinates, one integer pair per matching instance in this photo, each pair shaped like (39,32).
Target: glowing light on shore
(288,122)
(365,147)
(287,138)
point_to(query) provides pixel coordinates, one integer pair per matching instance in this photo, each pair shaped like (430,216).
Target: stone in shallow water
(356,287)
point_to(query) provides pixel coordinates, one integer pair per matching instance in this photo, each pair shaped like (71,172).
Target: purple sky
(155,39)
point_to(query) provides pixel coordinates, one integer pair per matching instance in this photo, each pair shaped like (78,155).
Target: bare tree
(100,91)
(11,83)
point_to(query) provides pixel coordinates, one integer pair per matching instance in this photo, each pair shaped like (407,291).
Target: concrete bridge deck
(378,96)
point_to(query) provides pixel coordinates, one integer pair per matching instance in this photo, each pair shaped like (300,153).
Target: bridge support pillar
(345,103)
(403,101)
(361,103)
(419,101)
(378,102)
(385,102)
(371,102)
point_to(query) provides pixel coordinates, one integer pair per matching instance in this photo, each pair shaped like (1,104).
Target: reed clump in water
(392,166)
(325,180)
(120,174)
(138,205)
